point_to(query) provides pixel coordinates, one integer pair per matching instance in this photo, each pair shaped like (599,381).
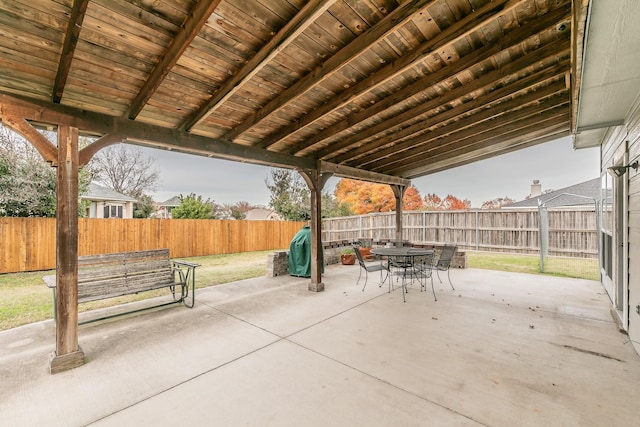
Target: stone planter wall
(277,264)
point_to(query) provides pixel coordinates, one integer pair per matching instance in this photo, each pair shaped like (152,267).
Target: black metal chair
(444,261)
(423,269)
(369,268)
(413,266)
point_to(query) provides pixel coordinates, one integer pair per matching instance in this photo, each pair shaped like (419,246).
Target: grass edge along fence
(29,244)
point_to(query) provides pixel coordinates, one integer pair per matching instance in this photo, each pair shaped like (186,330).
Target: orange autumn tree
(366,197)
(450,203)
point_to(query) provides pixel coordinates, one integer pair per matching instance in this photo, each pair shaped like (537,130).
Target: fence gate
(564,236)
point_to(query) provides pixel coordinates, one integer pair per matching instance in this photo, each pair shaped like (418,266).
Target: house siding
(622,146)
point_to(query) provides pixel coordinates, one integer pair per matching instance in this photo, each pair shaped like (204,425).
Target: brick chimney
(536,188)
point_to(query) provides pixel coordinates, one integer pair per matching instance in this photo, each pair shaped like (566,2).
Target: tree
(497,203)
(27,182)
(193,207)
(290,196)
(450,203)
(412,200)
(126,170)
(366,197)
(144,207)
(238,210)
(332,208)
(432,202)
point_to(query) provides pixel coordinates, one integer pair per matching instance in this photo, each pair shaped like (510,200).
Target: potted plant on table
(348,256)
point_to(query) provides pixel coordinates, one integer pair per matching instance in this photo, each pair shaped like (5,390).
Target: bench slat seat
(125,273)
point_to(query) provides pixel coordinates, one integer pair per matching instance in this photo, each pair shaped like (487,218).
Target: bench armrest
(50,281)
(184,263)
(187,272)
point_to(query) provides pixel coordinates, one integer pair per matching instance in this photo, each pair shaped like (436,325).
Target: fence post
(477,231)
(543,234)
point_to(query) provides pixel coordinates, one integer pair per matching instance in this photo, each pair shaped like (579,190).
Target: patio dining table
(401,258)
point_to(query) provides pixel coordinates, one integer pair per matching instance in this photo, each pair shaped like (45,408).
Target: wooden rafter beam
(481,110)
(493,133)
(376,147)
(498,149)
(68,48)
(197,18)
(429,145)
(334,63)
(550,51)
(145,134)
(512,39)
(548,123)
(303,19)
(448,36)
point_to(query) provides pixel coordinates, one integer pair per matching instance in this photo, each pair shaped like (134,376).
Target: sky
(555,164)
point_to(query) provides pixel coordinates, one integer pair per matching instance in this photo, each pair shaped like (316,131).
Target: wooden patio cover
(380,90)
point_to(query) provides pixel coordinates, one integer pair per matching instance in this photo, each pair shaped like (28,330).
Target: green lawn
(25,299)
(555,266)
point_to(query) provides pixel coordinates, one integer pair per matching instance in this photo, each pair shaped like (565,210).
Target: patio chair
(369,268)
(412,266)
(444,262)
(423,269)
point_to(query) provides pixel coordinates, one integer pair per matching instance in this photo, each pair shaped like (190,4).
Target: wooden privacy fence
(572,232)
(28,244)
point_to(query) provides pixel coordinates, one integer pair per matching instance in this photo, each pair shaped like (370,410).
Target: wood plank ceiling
(382,87)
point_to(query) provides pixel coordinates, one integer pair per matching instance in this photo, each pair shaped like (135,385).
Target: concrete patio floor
(503,349)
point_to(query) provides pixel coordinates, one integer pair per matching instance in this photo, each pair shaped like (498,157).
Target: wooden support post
(68,354)
(398,192)
(316,181)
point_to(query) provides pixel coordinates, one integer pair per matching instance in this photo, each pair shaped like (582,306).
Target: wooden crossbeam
(145,134)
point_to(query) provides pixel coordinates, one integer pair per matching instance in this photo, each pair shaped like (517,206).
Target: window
(113,211)
(606,236)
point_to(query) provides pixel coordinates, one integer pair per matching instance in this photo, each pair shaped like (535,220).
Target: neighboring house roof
(582,194)
(260,214)
(171,203)
(98,192)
